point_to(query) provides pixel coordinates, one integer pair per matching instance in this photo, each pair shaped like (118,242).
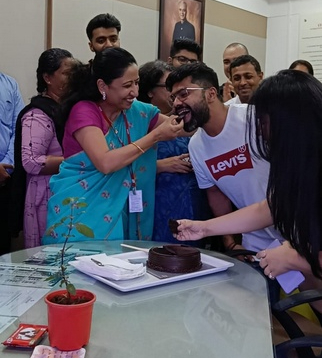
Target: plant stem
(63,268)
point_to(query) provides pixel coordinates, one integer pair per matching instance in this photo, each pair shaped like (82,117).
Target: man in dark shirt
(183,29)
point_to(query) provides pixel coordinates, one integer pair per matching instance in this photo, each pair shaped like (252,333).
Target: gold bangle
(138,147)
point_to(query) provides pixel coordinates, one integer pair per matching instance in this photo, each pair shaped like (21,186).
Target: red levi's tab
(230,163)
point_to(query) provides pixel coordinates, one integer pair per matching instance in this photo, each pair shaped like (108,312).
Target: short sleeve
(83,114)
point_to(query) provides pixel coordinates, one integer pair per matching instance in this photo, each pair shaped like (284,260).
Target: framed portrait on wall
(180,19)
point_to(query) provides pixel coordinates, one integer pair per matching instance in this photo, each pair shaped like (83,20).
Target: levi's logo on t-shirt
(230,163)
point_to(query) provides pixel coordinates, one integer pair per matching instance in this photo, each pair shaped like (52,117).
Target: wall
(140,27)
(22,37)
(261,7)
(283,28)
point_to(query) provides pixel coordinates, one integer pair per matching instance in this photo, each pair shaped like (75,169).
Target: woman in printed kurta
(37,145)
(110,157)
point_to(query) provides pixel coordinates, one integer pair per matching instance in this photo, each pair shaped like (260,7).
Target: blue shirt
(11,104)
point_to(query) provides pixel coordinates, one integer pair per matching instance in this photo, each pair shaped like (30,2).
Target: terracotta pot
(69,326)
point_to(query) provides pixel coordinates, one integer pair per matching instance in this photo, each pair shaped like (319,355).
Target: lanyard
(127,127)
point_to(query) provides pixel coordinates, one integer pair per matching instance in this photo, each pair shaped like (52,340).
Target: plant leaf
(82,205)
(71,288)
(84,230)
(54,277)
(69,200)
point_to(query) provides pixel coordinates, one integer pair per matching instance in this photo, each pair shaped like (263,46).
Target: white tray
(155,278)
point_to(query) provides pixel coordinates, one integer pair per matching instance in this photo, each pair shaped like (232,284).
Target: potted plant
(69,310)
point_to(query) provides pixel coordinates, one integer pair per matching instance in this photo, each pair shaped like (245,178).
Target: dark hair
(150,75)
(242,60)
(200,74)
(303,63)
(108,65)
(185,44)
(49,62)
(292,102)
(102,20)
(237,44)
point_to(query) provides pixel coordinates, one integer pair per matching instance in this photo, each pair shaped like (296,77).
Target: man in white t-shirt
(220,151)
(246,75)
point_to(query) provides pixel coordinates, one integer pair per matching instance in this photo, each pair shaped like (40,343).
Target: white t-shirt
(234,100)
(226,161)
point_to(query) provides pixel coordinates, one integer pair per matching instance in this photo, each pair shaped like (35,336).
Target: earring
(103,95)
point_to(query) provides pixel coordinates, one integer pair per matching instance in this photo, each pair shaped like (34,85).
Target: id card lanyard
(135,196)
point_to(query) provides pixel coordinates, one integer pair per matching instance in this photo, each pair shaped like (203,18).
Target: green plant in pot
(69,310)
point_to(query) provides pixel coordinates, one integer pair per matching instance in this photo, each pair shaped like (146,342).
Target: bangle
(231,246)
(138,147)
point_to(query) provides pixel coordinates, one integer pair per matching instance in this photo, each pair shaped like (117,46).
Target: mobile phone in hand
(290,280)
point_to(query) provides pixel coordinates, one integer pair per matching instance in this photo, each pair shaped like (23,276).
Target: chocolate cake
(174,258)
(173,226)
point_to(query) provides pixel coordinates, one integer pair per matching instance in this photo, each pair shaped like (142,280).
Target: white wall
(283,31)
(283,27)
(22,39)
(260,7)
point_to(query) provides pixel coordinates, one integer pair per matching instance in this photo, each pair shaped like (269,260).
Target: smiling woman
(109,149)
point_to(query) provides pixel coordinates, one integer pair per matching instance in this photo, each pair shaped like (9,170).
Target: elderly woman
(110,153)
(38,152)
(176,192)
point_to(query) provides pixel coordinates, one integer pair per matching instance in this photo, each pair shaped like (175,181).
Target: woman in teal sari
(107,176)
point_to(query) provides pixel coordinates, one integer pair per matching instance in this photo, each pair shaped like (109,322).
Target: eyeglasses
(183,59)
(160,85)
(184,93)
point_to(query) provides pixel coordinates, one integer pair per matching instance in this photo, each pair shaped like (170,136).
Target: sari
(106,195)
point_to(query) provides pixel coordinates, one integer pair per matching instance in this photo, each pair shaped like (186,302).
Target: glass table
(224,314)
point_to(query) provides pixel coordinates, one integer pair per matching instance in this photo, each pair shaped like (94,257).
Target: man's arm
(18,105)
(220,205)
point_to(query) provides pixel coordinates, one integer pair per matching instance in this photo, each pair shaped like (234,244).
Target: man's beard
(199,115)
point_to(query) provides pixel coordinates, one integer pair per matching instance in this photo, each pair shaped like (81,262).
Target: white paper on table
(5,322)
(15,300)
(113,268)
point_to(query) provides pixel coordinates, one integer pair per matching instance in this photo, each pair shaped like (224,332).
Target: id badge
(135,201)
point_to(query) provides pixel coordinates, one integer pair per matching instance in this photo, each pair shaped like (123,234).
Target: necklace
(108,121)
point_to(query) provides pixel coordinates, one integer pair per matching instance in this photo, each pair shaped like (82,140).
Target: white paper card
(135,201)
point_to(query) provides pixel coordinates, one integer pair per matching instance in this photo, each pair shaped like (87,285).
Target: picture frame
(172,25)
